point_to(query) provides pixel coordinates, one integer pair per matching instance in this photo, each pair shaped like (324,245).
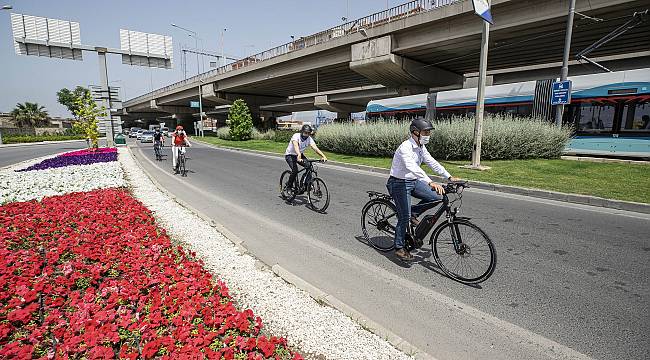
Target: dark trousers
(292,161)
(401,191)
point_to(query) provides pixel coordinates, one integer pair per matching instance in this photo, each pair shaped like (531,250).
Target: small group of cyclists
(179,140)
(407,179)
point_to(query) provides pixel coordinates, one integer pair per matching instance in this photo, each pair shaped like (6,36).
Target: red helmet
(179,127)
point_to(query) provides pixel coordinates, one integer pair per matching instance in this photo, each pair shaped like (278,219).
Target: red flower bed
(90,275)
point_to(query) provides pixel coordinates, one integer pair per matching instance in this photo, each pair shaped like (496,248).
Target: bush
(223,133)
(504,137)
(266,135)
(283,136)
(240,121)
(39,138)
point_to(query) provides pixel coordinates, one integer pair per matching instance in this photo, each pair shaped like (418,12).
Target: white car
(139,134)
(147,136)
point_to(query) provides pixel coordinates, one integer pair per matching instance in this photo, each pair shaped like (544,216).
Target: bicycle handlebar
(453,186)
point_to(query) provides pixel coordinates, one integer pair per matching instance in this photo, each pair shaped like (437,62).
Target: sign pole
(480,101)
(559,111)
(103,83)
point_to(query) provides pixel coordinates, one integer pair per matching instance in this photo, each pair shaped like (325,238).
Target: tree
(68,98)
(86,113)
(29,114)
(240,121)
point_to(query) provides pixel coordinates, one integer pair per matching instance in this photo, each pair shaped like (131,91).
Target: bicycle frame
(308,168)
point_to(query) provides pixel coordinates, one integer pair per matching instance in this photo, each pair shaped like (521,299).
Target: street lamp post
(223,58)
(198,70)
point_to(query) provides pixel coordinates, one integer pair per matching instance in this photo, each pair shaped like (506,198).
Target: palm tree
(29,114)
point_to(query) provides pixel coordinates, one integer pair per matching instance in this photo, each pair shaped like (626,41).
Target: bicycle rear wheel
(378,222)
(286,190)
(475,258)
(319,197)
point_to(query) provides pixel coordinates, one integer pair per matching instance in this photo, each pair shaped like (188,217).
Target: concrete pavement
(571,279)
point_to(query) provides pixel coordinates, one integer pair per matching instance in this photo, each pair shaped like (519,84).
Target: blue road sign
(482,9)
(561,93)
(194,104)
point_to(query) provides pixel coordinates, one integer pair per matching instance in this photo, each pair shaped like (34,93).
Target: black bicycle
(157,149)
(181,161)
(319,197)
(461,249)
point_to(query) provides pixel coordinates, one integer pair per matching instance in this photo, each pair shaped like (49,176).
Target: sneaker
(403,254)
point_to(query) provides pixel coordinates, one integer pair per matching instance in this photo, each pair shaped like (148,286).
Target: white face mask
(424,139)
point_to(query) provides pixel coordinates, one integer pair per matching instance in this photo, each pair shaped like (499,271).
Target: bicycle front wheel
(183,166)
(472,260)
(378,222)
(319,197)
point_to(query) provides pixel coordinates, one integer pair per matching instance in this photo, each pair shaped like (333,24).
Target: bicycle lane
(446,319)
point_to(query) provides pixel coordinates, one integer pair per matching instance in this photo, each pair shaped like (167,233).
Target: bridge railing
(367,22)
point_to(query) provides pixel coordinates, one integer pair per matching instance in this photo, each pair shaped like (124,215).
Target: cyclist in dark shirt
(158,140)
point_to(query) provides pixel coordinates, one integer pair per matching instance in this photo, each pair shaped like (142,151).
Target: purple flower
(61,161)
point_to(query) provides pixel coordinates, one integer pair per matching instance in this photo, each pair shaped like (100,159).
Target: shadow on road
(421,257)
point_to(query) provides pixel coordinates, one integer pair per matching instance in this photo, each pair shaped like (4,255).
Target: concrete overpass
(416,47)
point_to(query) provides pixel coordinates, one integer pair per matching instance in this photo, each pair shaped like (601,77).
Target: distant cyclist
(408,179)
(158,140)
(179,140)
(294,154)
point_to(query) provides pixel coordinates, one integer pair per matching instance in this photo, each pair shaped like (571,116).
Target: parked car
(133,132)
(138,135)
(147,136)
(165,131)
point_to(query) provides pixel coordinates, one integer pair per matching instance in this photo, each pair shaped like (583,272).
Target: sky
(252,26)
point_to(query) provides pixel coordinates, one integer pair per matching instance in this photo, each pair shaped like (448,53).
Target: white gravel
(36,184)
(286,311)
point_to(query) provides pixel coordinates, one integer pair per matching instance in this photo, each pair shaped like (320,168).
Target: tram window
(596,118)
(636,117)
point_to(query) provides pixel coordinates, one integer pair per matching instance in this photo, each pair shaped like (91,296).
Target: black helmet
(420,124)
(306,129)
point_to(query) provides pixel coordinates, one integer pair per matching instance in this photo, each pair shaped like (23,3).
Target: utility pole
(482,9)
(198,68)
(559,111)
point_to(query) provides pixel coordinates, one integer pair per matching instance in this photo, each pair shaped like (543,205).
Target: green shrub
(283,136)
(504,137)
(223,133)
(240,121)
(38,138)
(266,135)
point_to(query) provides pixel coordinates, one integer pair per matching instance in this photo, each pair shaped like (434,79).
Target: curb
(543,194)
(318,295)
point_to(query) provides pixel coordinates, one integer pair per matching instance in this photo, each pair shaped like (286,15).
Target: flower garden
(87,273)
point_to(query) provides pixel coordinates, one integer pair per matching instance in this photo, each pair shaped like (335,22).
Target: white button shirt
(407,160)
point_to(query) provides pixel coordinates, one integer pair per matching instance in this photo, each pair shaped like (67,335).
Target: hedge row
(39,138)
(504,137)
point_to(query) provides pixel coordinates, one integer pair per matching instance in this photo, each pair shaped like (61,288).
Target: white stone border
(316,330)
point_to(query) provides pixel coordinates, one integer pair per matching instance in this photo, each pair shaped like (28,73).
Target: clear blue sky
(252,26)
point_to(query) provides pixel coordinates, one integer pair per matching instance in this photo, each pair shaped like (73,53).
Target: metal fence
(377,19)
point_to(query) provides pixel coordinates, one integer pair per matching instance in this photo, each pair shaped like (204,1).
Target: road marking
(597,209)
(543,345)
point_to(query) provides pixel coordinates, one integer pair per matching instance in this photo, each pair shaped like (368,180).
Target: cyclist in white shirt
(294,154)
(408,179)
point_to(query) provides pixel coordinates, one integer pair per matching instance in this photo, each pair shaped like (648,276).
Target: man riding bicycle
(295,152)
(158,141)
(408,179)
(179,140)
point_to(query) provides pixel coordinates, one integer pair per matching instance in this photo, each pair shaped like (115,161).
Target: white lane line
(544,345)
(601,210)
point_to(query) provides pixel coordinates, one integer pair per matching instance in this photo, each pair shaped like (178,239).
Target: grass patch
(629,182)
(39,138)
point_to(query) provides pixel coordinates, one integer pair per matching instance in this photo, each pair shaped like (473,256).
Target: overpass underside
(430,51)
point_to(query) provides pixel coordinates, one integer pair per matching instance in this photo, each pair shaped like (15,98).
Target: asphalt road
(14,154)
(571,280)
